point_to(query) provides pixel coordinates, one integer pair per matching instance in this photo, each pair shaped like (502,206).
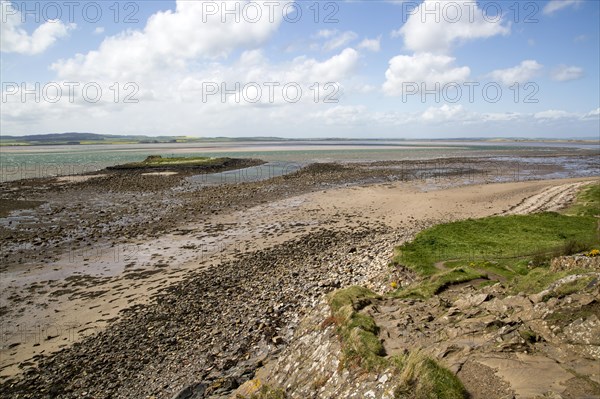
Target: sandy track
(550,199)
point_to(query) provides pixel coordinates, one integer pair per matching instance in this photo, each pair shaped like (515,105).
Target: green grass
(358,332)
(504,239)
(438,282)
(569,288)
(156,161)
(419,375)
(268,392)
(535,281)
(422,377)
(349,296)
(588,202)
(515,250)
(540,278)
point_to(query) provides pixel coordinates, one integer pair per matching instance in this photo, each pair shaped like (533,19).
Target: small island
(201,164)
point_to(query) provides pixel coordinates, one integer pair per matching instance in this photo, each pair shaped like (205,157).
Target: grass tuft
(358,332)
(422,377)
(349,296)
(268,392)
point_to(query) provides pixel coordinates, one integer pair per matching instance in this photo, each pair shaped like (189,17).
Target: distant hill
(73,138)
(58,137)
(94,138)
(78,137)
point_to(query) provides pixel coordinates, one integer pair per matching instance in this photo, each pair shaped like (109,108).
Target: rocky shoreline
(206,334)
(213,329)
(66,214)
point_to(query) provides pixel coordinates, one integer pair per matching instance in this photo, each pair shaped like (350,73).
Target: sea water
(21,162)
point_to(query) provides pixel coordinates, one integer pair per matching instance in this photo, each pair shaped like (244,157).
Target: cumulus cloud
(444,113)
(14,39)
(169,40)
(424,68)
(436,26)
(564,73)
(520,73)
(303,69)
(431,31)
(370,44)
(556,5)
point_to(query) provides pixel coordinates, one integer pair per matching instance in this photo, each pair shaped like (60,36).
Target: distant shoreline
(62,139)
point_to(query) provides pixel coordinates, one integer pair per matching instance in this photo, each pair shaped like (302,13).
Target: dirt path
(550,199)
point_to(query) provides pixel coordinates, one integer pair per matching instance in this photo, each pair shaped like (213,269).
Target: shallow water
(251,174)
(44,161)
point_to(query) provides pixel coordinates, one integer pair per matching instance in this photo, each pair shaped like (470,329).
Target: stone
(471,301)
(195,391)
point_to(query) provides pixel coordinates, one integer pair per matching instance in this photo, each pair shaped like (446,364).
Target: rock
(248,388)
(195,391)
(277,340)
(565,263)
(471,301)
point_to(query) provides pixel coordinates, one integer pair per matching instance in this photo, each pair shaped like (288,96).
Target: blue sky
(406,69)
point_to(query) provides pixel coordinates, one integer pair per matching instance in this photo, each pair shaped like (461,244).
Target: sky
(304,69)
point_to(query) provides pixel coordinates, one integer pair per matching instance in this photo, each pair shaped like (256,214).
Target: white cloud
(254,67)
(436,26)
(181,91)
(99,30)
(556,114)
(500,117)
(14,39)
(371,44)
(564,73)
(360,116)
(422,68)
(302,69)
(168,42)
(520,73)
(593,114)
(344,115)
(553,114)
(556,5)
(444,113)
(339,40)
(326,33)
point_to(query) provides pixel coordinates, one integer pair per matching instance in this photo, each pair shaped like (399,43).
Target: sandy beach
(305,234)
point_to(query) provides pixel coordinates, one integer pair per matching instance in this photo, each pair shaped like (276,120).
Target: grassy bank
(514,249)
